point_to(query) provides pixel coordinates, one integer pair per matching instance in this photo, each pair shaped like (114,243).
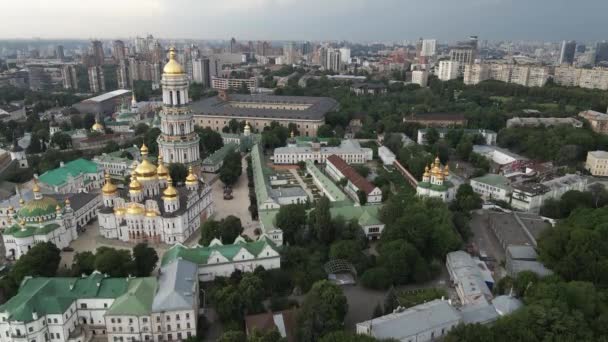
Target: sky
(355,20)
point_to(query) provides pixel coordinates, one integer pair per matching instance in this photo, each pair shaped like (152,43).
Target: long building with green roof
(72,177)
(121,309)
(220,259)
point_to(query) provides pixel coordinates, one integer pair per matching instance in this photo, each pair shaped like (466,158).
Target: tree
(467,199)
(431,136)
(88,121)
(321,221)
(209,231)
(150,139)
(76,121)
(376,278)
(363,170)
(362,196)
(231,169)
(378,311)
(325,131)
(210,140)
(390,301)
(115,263)
(403,262)
(233,336)
(228,303)
(178,172)
(141,128)
(84,263)
(111,146)
(231,228)
(464,149)
(291,219)
(61,140)
(145,259)
(252,292)
(41,260)
(323,311)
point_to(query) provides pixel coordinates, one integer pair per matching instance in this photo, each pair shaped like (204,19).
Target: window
(105,305)
(187,316)
(145,320)
(178,327)
(112,320)
(55,320)
(158,318)
(30,329)
(169,327)
(169,337)
(179,335)
(118,320)
(130,320)
(83,306)
(168,318)
(177,318)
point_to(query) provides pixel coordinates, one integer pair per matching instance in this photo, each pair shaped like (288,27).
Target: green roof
(259,176)
(137,301)
(327,184)
(366,215)
(220,154)
(60,175)
(39,207)
(495,180)
(31,230)
(46,296)
(200,255)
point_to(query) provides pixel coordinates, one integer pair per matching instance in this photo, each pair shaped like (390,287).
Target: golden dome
(162,171)
(426,172)
(109,188)
(170,192)
(192,179)
(57,208)
(67,201)
(446,171)
(97,126)
(151,213)
(36,188)
(437,161)
(144,149)
(145,170)
(173,67)
(21,202)
(135,209)
(135,185)
(119,211)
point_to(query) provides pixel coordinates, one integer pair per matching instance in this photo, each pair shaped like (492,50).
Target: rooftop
(74,168)
(220,154)
(176,286)
(593,115)
(351,174)
(498,181)
(108,95)
(316,107)
(435,117)
(599,154)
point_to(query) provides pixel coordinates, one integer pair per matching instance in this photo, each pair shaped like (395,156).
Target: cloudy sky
(361,20)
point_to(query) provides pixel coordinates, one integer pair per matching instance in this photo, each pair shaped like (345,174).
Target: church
(152,208)
(436,183)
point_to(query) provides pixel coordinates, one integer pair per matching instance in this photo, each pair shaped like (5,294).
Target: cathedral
(152,208)
(436,183)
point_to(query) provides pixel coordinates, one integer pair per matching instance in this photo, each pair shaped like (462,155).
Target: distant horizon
(362,21)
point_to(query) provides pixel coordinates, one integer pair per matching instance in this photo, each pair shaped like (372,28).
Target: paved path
(302,184)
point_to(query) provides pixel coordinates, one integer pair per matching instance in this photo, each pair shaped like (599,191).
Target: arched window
(170,129)
(182,129)
(179,100)
(170,97)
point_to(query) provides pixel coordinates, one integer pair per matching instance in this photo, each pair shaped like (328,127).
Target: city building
(531,196)
(437,119)
(177,143)
(567,52)
(118,167)
(543,122)
(526,75)
(345,55)
(489,137)
(98,55)
(601,53)
(105,104)
(18,155)
(597,120)
(71,177)
(221,260)
(307,113)
(118,50)
(471,278)
(422,323)
(214,162)
(356,184)
(448,70)
(569,76)
(201,72)
(221,83)
(597,163)
(163,308)
(420,77)
(521,258)
(368,89)
(492,187)
(436,183)
(69,77)
(429,48)
(97,81)
(349,150)
(367,216)
(59,53)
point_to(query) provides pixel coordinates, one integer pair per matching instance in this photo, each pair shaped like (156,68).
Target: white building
(436,183)
(470,278)
(531,196)
(17,154)
(492,187)
(420,77)
(429,48)
(349,150)
(448,70)
(386,155)
(425,322)
(219,260)
(220,83)
(338,169)
(490,137)
(114,309)
(543,122)
(345,55)
(597,163)
(71,177)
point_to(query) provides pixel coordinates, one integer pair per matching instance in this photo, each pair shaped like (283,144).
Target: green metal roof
(31,230)
(259,177)
(60,175)
(498,181)
(327,184)
(200,255)
(220,154)
(46,296)
(137,301)
(365,215)
(39,207)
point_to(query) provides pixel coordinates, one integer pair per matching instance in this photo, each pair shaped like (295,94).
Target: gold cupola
(109,188)
(145,170)
(135,185)
(192,179)
(173,67)
(170,192)
(426,172)
(97,127)
(446,171)
(162,171)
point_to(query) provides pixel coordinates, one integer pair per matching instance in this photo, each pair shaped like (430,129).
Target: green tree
(178,172)
(377,278)
(362,196)
(145,259)
(228,304)
(321,221)
(141,128)
(325,131)
(252,292)
(209,231)
(61,140)
(233,336)
(231,169)
(431,136)
(84,263)
(88,121)
(231,228)
(291,219)
(41,260)
(111,146)
(467,199)
(115,263)
(210,140)
(150,138)
(323,311)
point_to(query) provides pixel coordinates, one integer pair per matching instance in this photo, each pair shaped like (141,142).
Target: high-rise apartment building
(118,50)
(345,55)
(201,71)
(306,48)
(526,75)
(233,45)
(429,48)
(98,55)
(97,81)
(334,60)
(601,53)
(567,51)
(289,53)
(122,75)
(59,52)
(69,77)
(463,55)
(420,77)
(475,73)
(448,70)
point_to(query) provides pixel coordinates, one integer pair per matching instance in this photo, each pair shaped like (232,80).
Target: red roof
(265,322)
(351,174)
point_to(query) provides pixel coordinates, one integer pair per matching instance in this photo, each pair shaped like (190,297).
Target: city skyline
(354,20)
